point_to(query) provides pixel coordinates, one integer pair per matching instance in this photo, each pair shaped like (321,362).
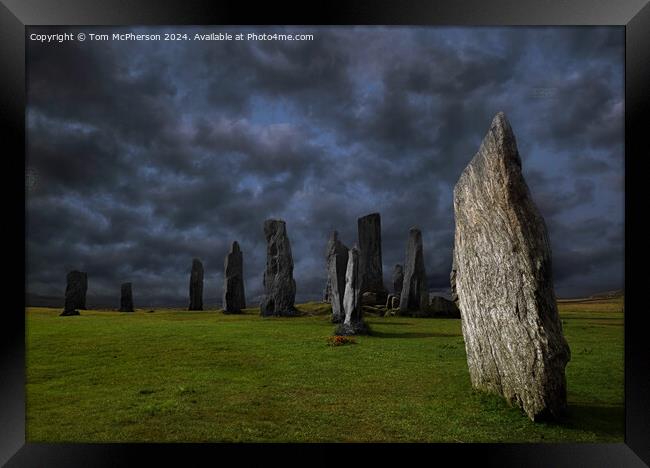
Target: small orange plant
(339,340)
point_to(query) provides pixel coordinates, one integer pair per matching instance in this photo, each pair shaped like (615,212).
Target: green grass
(175,375)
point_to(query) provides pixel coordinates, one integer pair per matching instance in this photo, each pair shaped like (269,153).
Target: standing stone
(327,292)
(398,279)
(234,299)
(196,286)
(337,263)
(369,228)
(513,335)
(452,279)
(126,299)
(415,293)
(279,285)
(75,293)
(353,323)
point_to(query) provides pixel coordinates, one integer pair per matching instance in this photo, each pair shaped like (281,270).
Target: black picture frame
(634,15)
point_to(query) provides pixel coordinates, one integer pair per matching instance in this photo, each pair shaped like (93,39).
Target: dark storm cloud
(147,154)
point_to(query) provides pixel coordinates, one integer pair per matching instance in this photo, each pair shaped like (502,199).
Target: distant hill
(608,294)
(617,293)
(36,300)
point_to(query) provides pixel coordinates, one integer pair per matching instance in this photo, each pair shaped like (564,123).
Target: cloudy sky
(142,155)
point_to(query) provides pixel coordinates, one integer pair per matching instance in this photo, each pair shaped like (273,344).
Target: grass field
(177,376)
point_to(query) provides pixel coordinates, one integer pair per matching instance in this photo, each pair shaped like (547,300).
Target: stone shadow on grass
(394,323)
(414,335)
(605,421)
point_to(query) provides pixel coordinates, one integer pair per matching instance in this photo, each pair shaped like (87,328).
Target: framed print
(366,227)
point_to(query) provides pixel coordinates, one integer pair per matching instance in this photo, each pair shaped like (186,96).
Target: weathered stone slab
(415,293)
(75,293)
(234,298)
(279,285)
(513,335)
(369,228)
(196,285)
(337,262)
(126,298)
(354,323)
(398,279)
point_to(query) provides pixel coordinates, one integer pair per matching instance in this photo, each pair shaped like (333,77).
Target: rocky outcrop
(369,228)
(513,335)
(337,262)
(234,298)
(126,298)
(196,285)
(415,293)
(353,323)
(279,285)
(75,293)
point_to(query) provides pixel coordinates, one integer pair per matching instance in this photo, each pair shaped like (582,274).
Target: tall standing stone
(196,286)
(513,335)
(369,228)
(75,292)
(279,285)
(330,251)
(398,279)
(337,263)
(415,293)
(234,299)
(126,298)
(353,323)
(327,292)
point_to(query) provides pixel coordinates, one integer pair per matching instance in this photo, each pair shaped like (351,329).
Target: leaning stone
(75,293)
(389,301)
(513,335)
(234,298)
(369,228)
(354,323)
(126,298)
(196,285)
(415,295)
(395,302)
(279,285)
